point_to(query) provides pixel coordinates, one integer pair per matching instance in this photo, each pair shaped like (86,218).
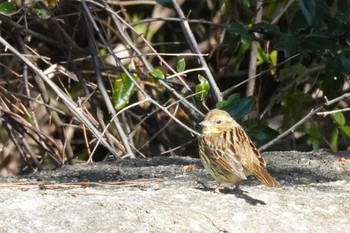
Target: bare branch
(194,48)
(254,52)
(333,112)
(69,103)
(305,118)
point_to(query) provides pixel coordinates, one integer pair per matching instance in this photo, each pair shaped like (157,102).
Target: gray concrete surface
(163,195)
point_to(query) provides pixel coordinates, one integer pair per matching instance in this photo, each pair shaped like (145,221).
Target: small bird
(227,152)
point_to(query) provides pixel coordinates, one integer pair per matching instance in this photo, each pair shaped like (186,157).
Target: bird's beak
(205,123)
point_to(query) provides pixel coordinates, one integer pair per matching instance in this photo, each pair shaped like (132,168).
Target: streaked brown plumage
(227,152)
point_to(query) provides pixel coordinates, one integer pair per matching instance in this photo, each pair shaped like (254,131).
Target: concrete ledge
(163,195)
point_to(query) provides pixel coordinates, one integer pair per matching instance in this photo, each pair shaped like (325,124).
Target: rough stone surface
(162,194)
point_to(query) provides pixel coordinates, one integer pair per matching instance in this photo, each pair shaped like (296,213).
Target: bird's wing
(246,149)
(251,158)
(222,153)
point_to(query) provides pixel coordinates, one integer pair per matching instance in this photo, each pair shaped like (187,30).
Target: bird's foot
(215,188)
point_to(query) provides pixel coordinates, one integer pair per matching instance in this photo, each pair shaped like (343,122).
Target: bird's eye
(218,122)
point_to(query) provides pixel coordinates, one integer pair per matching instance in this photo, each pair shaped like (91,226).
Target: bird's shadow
(239,193)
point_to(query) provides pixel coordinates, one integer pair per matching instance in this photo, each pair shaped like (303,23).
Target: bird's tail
(264,177)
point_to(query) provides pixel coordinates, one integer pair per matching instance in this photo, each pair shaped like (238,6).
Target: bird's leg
(204,185)
(237,186)
(217,188)
(208,187)
(237,190)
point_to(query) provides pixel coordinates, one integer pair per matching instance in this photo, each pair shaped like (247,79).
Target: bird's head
(217,121)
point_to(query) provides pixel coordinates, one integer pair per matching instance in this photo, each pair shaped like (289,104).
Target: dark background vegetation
(279,67)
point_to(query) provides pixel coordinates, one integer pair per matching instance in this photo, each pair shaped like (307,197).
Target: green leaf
(123,89)
(336,27)
(314,142)
(291,71)
(247,38)
(318,45)
(315,11)
(298,23)
(293,101)
(267,29)
(346,130)
(333,67)
(41,13)
(262,133)
(7,7)
(242,107)
(338,65)
(237,107)
(102,52)
(271,11)
(202,89)
(238,30)
(181,65)
(334,140)
(287,43)
(226,104)
(345,62)
(339,118)
(246,3)
(157,73)
(296,97)
(273,57)
(240,56)
(262,57)
(333,79)
(140,28)
(313,130)
(166,3)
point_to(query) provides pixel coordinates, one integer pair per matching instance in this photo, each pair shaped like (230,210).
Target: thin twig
(229,90)
(137,85)
(289,3)
(333,112)
(161,129)
(295,81)
(305,118)
(43,185)
(121,24)
(116,115)
(179,147)
(130,2)
(69,103)
(194,48)
(171,19)
(254,52)
(100,84)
